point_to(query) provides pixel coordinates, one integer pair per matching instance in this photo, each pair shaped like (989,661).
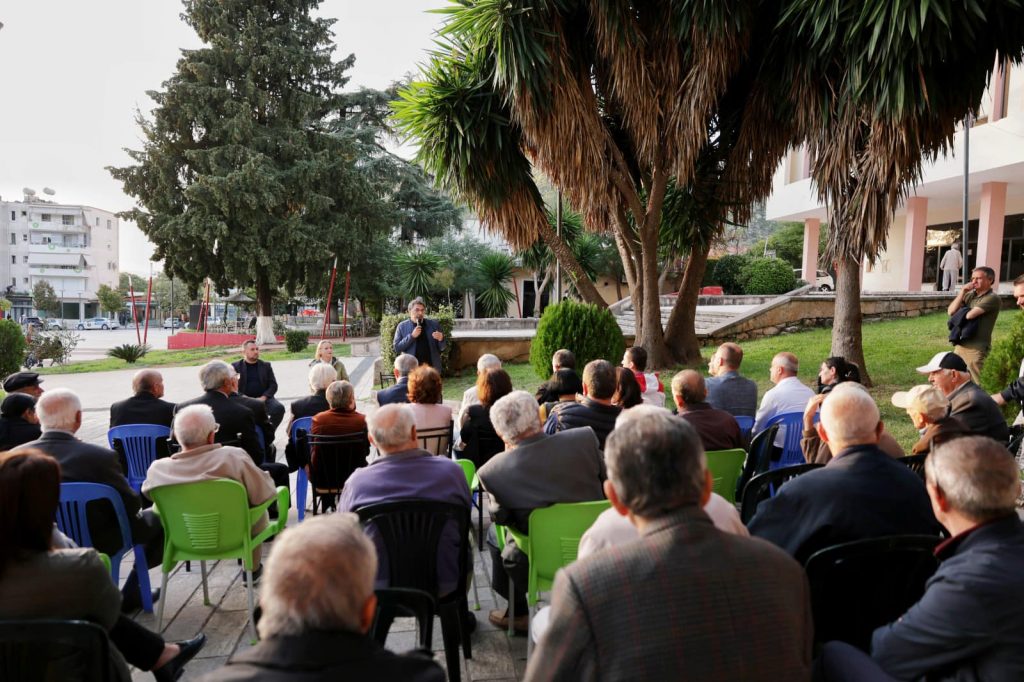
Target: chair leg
(529,635)
(142,573)
(163,600)
(467,647)
(511,608)
(252,607)
(206,592)
(301,488)
(480,519)
(451,633)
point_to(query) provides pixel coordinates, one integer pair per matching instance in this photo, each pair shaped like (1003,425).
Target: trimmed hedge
(591,333)
(728,273)
(768,277)
(12,347)
(444,315)
(1002,366)
(296,340)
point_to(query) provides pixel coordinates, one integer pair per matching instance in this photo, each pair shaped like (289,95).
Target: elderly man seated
(146,406)
(595,409)
(203,459)
(967,400)
(928,410)
(861,493)
(717,429)
(319,632)
(968,624)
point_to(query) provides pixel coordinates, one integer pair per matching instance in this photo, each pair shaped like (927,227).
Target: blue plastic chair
(138,443)
(302,478)
(71,520)
(793,423)
(746,426)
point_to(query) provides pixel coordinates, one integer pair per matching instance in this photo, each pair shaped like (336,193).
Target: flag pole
(330,293)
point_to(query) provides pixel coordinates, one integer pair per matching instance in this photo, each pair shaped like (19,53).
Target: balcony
(55,226)
(40,248)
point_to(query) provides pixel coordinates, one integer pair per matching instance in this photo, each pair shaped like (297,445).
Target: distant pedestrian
(950,265)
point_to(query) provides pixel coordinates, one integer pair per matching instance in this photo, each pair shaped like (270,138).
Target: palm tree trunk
(847,339)
(586,288)
(681,332)
(650,334)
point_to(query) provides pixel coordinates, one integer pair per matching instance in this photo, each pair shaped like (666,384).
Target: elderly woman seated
(479,439)
(928,409)
(425,399)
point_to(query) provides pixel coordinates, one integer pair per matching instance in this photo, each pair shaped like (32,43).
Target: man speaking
(420,336)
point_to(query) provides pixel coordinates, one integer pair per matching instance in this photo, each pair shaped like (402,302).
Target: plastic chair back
(766,485)
(746,424)
(862,585)
(65,650)
(915,462)
(469,469)
(408,602)
(139,444)
(71,516)
(304,424)
(725,467)
(757,458)
(792,424)
(332,461)
(204,520)
(482,443)
(439,440)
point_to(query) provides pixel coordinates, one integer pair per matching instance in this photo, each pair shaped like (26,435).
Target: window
(97,221)
(12,216)
(14,260)
(46,218)
(24,237)
(108,224)
(25,280)
(24,259)
(14,281)
(14,238)
(46,240)
(67,219)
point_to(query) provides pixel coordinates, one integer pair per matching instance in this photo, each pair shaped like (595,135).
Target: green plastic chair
(469,469)
(553,542)
(725,467)
(106,560)
(211,520)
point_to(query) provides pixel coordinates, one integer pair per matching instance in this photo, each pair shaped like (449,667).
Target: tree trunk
(847,340)
(681,332)
(651,335)
(264,312)
(586,288)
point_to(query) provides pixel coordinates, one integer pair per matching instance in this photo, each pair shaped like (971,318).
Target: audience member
(325,354)
(627,390)
(727,389)
(420,336)
(595,409)
(928,410)
(651,390)
(817,451)
(654,609)
(948,372)
(535,470)
(469,396)
(564,385)
(861,493)
(201,458)
(319,631)
(717,429)
(399,393)
(425,399)
(834,371)
(60,414)
(146,406)
(24,382)
(968,624)
(236,421)
(256,380)
(342,418)
(788,395)
(321,375)
(261,417)
(18,421)
(561,359)
(38,580)
(480,440)
(973,315)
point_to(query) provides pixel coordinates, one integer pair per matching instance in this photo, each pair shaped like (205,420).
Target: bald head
(393,428)
(849,416)
(148,381)
(688,388)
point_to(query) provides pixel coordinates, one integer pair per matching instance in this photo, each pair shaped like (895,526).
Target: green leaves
(417,270)
(495,273)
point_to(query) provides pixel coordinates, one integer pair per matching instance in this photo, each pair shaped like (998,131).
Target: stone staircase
(705,320)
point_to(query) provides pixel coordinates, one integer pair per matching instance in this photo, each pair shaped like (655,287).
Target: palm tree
(495,273)
(418,270)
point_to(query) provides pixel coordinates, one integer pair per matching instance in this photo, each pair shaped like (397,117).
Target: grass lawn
(184,358)
(892,349)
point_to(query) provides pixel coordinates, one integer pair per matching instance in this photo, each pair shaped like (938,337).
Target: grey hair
(213,374)
(787,361)
(656,463)
(415,301)
(319,577)
(487,361)
(978,476)
(321,375)
(638,411)
(406,363)
(515,415)
(146,380)
(56,409)
(391,426)
(849,414)
(340,394)
(193,425)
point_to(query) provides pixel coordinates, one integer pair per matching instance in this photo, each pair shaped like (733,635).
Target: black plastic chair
(758,458)
(410,531)
(53,650)
(438,441)
(862,585)
(764,486)
(915,462)
(392,601)
(332,461)
(386,379)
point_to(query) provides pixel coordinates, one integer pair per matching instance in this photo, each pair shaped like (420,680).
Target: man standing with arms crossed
(982,304)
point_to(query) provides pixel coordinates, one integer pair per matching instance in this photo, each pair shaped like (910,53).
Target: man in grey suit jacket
(420,337)
(686,601)
(727,389)
(399,393)
(535,470)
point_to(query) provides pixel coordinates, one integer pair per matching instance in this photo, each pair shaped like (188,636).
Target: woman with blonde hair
(325,354)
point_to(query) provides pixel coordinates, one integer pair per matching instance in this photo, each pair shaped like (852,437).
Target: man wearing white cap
(928,409)
(948,372)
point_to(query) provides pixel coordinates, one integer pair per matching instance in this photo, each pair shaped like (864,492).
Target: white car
(823,281)
(174,322)
(98,323)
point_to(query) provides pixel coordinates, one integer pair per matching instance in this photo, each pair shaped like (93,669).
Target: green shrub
(296,340)
(709,274)
(767,277)
(590,332)
(728,271)
(1002,366)
(12,347)
(129,352)
(278,326)
(444,315)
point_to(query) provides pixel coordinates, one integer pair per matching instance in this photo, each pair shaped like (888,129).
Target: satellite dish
(29,192)
(47,190)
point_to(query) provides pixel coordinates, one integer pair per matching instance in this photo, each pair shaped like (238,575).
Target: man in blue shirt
(420,337)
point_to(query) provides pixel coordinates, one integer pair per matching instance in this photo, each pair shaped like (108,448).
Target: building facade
(930,220)
(74,248)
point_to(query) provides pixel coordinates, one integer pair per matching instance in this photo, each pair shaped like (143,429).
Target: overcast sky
(73,73)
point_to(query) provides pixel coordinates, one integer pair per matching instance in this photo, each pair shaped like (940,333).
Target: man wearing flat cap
(24,382)
(948,372)
(18,421)
(928,409)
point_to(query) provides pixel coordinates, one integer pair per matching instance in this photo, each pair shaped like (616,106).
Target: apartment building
(74,248)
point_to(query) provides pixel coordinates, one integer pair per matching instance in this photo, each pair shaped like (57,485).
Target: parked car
(175,323)
(98,323)
(36,323)
(823,281)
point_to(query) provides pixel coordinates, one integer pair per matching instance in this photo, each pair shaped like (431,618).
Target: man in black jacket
(146,406)
(595,409)
(321,375)
(256,380)
(18,421)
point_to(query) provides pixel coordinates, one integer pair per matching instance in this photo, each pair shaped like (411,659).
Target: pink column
(914,242)
(990,225)
(812,228)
